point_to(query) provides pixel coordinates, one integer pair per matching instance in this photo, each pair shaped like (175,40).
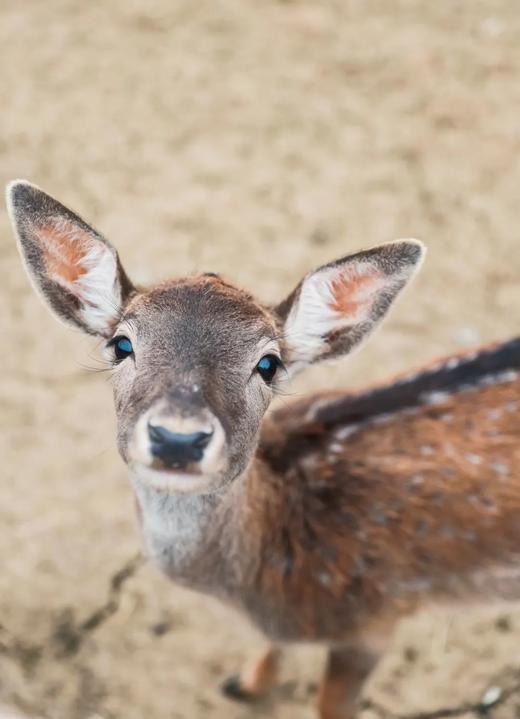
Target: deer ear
(74,269)
(337,306)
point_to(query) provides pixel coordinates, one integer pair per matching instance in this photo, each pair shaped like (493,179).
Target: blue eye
(122,348)
(267,367)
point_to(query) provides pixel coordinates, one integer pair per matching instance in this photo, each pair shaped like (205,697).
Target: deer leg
(256,678)
(346,670)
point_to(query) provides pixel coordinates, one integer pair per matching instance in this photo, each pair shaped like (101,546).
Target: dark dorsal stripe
(455,374)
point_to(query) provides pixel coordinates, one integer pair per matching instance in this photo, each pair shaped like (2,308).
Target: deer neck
(193,537)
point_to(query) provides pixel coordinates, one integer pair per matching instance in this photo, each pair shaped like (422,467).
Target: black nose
(177,450)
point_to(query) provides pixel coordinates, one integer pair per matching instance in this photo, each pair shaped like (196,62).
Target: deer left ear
(337,306)
(72,267)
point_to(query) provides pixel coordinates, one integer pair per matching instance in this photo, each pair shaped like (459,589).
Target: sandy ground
(257,140)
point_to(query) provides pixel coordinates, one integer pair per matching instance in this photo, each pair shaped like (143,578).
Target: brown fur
(422,506)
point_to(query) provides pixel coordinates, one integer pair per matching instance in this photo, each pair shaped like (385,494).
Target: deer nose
(176,449)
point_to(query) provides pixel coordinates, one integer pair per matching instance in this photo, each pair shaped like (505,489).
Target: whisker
(94,370)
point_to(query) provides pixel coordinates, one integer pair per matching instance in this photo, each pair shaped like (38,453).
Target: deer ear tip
(411,241)
(18,191)
(419,244)
(414,250)
(19,184)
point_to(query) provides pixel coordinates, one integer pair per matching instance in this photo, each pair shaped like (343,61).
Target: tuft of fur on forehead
(199,302)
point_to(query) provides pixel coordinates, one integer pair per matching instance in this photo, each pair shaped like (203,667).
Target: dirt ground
(256,140)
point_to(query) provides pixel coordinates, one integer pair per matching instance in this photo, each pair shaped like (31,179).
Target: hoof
(232,689)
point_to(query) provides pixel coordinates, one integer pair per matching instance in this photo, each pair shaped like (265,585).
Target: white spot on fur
(494,414)
(345,432)
(508,375)
(324,578)
(501,468)
(412,586)
(435,398)
(315,407)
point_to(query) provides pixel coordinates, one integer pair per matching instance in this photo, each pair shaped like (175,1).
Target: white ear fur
(347,299)
(97,288)
(315,315)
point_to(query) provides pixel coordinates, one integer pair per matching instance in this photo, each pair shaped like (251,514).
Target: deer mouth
(175,468)
(174,480)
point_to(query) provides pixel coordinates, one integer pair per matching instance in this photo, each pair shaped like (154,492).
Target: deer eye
(122,347)
(267,367)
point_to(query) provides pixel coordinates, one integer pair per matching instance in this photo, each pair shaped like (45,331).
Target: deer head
(196,361)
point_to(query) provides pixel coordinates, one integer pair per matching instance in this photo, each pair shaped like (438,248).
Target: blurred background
(254,139)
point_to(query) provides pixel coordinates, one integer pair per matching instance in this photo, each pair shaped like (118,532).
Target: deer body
(367,520)
(329,519)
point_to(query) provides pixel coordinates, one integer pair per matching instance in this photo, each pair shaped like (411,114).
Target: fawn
(331,518)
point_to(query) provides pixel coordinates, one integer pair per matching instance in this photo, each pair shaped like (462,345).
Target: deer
(325,520)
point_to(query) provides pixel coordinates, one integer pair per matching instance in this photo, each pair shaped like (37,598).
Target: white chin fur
(173,482)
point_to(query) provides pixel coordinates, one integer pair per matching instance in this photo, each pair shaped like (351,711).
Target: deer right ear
(74,269)
(337,306)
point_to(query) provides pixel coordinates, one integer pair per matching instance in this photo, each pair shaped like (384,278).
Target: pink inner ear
(352,291)
(64,249)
